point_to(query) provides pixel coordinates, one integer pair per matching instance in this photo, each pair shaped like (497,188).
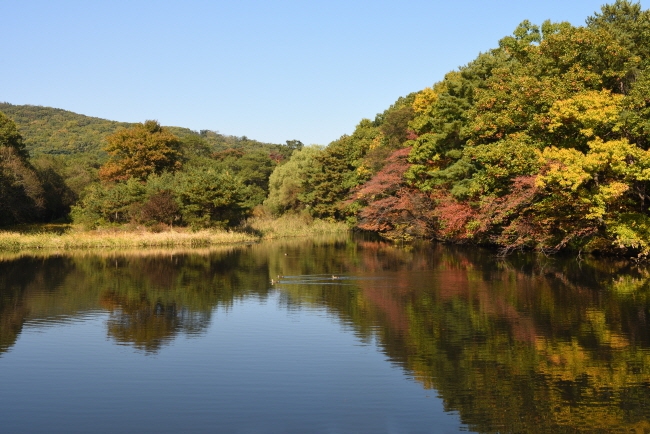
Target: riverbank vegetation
(119,239)
(540,143)
(68,237)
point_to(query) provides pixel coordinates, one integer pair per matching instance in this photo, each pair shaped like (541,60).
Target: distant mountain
(48,130)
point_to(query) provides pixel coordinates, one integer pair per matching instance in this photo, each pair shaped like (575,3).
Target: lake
(326,336)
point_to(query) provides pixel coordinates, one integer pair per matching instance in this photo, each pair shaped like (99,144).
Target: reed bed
(289,226)
(120,239)
(67,238)
(12,255)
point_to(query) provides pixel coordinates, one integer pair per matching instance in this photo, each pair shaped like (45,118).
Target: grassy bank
(75,239)
(292,226)
(256,229)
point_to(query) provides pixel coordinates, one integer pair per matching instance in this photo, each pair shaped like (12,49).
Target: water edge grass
(254,230)
(76,239)
(293,225)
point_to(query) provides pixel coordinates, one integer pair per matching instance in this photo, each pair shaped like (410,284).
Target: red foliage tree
(391,207)
(511,221)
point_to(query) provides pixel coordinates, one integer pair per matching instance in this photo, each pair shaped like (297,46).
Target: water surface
(323,336)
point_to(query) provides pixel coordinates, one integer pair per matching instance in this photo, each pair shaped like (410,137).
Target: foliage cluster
(320,181)
(145,182)
(129,173)
(21,191)
(541,143)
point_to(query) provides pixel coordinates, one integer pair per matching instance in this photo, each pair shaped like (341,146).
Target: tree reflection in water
(146,325)
(522,344)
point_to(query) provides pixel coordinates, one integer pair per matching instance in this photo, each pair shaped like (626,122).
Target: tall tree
(286,183)
(21,192)
(10,137)
(141,151)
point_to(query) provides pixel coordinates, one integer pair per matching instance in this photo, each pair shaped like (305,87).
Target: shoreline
(93,239)
(69,237)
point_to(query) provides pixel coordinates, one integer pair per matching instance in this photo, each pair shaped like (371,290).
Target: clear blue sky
(270,70)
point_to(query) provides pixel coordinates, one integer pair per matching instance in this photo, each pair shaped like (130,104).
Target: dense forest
(59,165)
(541,143)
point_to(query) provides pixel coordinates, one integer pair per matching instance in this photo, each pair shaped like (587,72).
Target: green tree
(252,167)
(115,203)
(58,196)
(208,197)
(294,145)
(340,168)
(286,183)
(21,191)
(10,137)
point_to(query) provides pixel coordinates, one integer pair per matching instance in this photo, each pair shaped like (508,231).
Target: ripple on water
(323,279)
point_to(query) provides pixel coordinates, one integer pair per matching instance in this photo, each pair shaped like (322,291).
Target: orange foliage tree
(141,151)
(391,207)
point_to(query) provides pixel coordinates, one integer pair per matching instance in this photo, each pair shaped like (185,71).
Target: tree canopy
(540,143)
(140,151)
(21,192)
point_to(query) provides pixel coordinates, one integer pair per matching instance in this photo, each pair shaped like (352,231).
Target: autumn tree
(390,207)
(541,143)
(141,151)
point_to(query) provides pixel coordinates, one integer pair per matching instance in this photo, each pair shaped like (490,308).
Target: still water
(331,336)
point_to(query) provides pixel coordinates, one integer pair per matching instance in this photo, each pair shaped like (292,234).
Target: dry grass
(65,238)
(292,225)
(76,239)
(12,255)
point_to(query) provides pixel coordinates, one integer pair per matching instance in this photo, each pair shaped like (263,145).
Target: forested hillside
(47,130)
(53,159)
(540,143)
(54,131)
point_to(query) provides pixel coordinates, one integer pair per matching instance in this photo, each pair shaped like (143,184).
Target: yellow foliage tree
(141,151)
(597,189)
